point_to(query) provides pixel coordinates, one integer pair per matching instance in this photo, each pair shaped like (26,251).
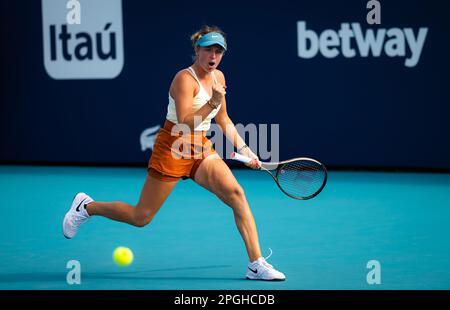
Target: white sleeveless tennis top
(200,99)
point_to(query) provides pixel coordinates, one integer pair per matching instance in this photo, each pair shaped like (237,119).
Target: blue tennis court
(402,220)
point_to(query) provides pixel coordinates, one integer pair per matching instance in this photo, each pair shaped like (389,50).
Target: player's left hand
(255,163)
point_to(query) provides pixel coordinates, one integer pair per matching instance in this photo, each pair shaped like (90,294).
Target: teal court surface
(401,220)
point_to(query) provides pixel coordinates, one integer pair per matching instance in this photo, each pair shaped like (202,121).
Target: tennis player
(196,95)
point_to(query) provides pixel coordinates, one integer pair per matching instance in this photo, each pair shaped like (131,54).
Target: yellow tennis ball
(123,256)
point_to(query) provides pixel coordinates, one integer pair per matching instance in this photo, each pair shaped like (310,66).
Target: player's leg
(153,195)
(214,175)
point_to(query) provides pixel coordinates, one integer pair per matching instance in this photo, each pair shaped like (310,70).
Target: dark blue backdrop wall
(339,94)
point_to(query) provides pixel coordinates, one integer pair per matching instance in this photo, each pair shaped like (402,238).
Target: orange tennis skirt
(177,154)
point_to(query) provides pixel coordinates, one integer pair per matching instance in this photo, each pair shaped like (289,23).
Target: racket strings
(302,178)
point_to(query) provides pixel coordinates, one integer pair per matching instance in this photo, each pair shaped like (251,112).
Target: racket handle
(241,158)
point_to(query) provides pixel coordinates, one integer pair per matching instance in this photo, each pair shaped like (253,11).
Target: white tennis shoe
(76,215)
(260,269)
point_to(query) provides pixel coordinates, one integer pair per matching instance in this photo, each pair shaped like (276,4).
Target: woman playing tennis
(196,95)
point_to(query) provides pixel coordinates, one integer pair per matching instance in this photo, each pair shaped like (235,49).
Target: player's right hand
(218,93)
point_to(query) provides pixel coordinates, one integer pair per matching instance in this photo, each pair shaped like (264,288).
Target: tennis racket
(300,178)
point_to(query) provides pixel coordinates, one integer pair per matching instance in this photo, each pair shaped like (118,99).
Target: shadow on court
(134,275)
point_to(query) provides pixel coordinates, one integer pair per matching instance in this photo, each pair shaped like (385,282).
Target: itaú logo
(351,41)
(92,49)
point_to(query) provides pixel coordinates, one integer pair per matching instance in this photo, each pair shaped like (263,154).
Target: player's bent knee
(238,192)
(235,194)
(142,220)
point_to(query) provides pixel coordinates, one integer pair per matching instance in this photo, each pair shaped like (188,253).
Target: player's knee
(236,193)
(142,220)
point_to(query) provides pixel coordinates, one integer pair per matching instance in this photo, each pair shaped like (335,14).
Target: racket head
(301,178)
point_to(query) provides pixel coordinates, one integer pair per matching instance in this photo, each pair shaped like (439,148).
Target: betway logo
(331,43)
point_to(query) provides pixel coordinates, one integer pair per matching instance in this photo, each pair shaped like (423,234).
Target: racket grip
(241,158)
